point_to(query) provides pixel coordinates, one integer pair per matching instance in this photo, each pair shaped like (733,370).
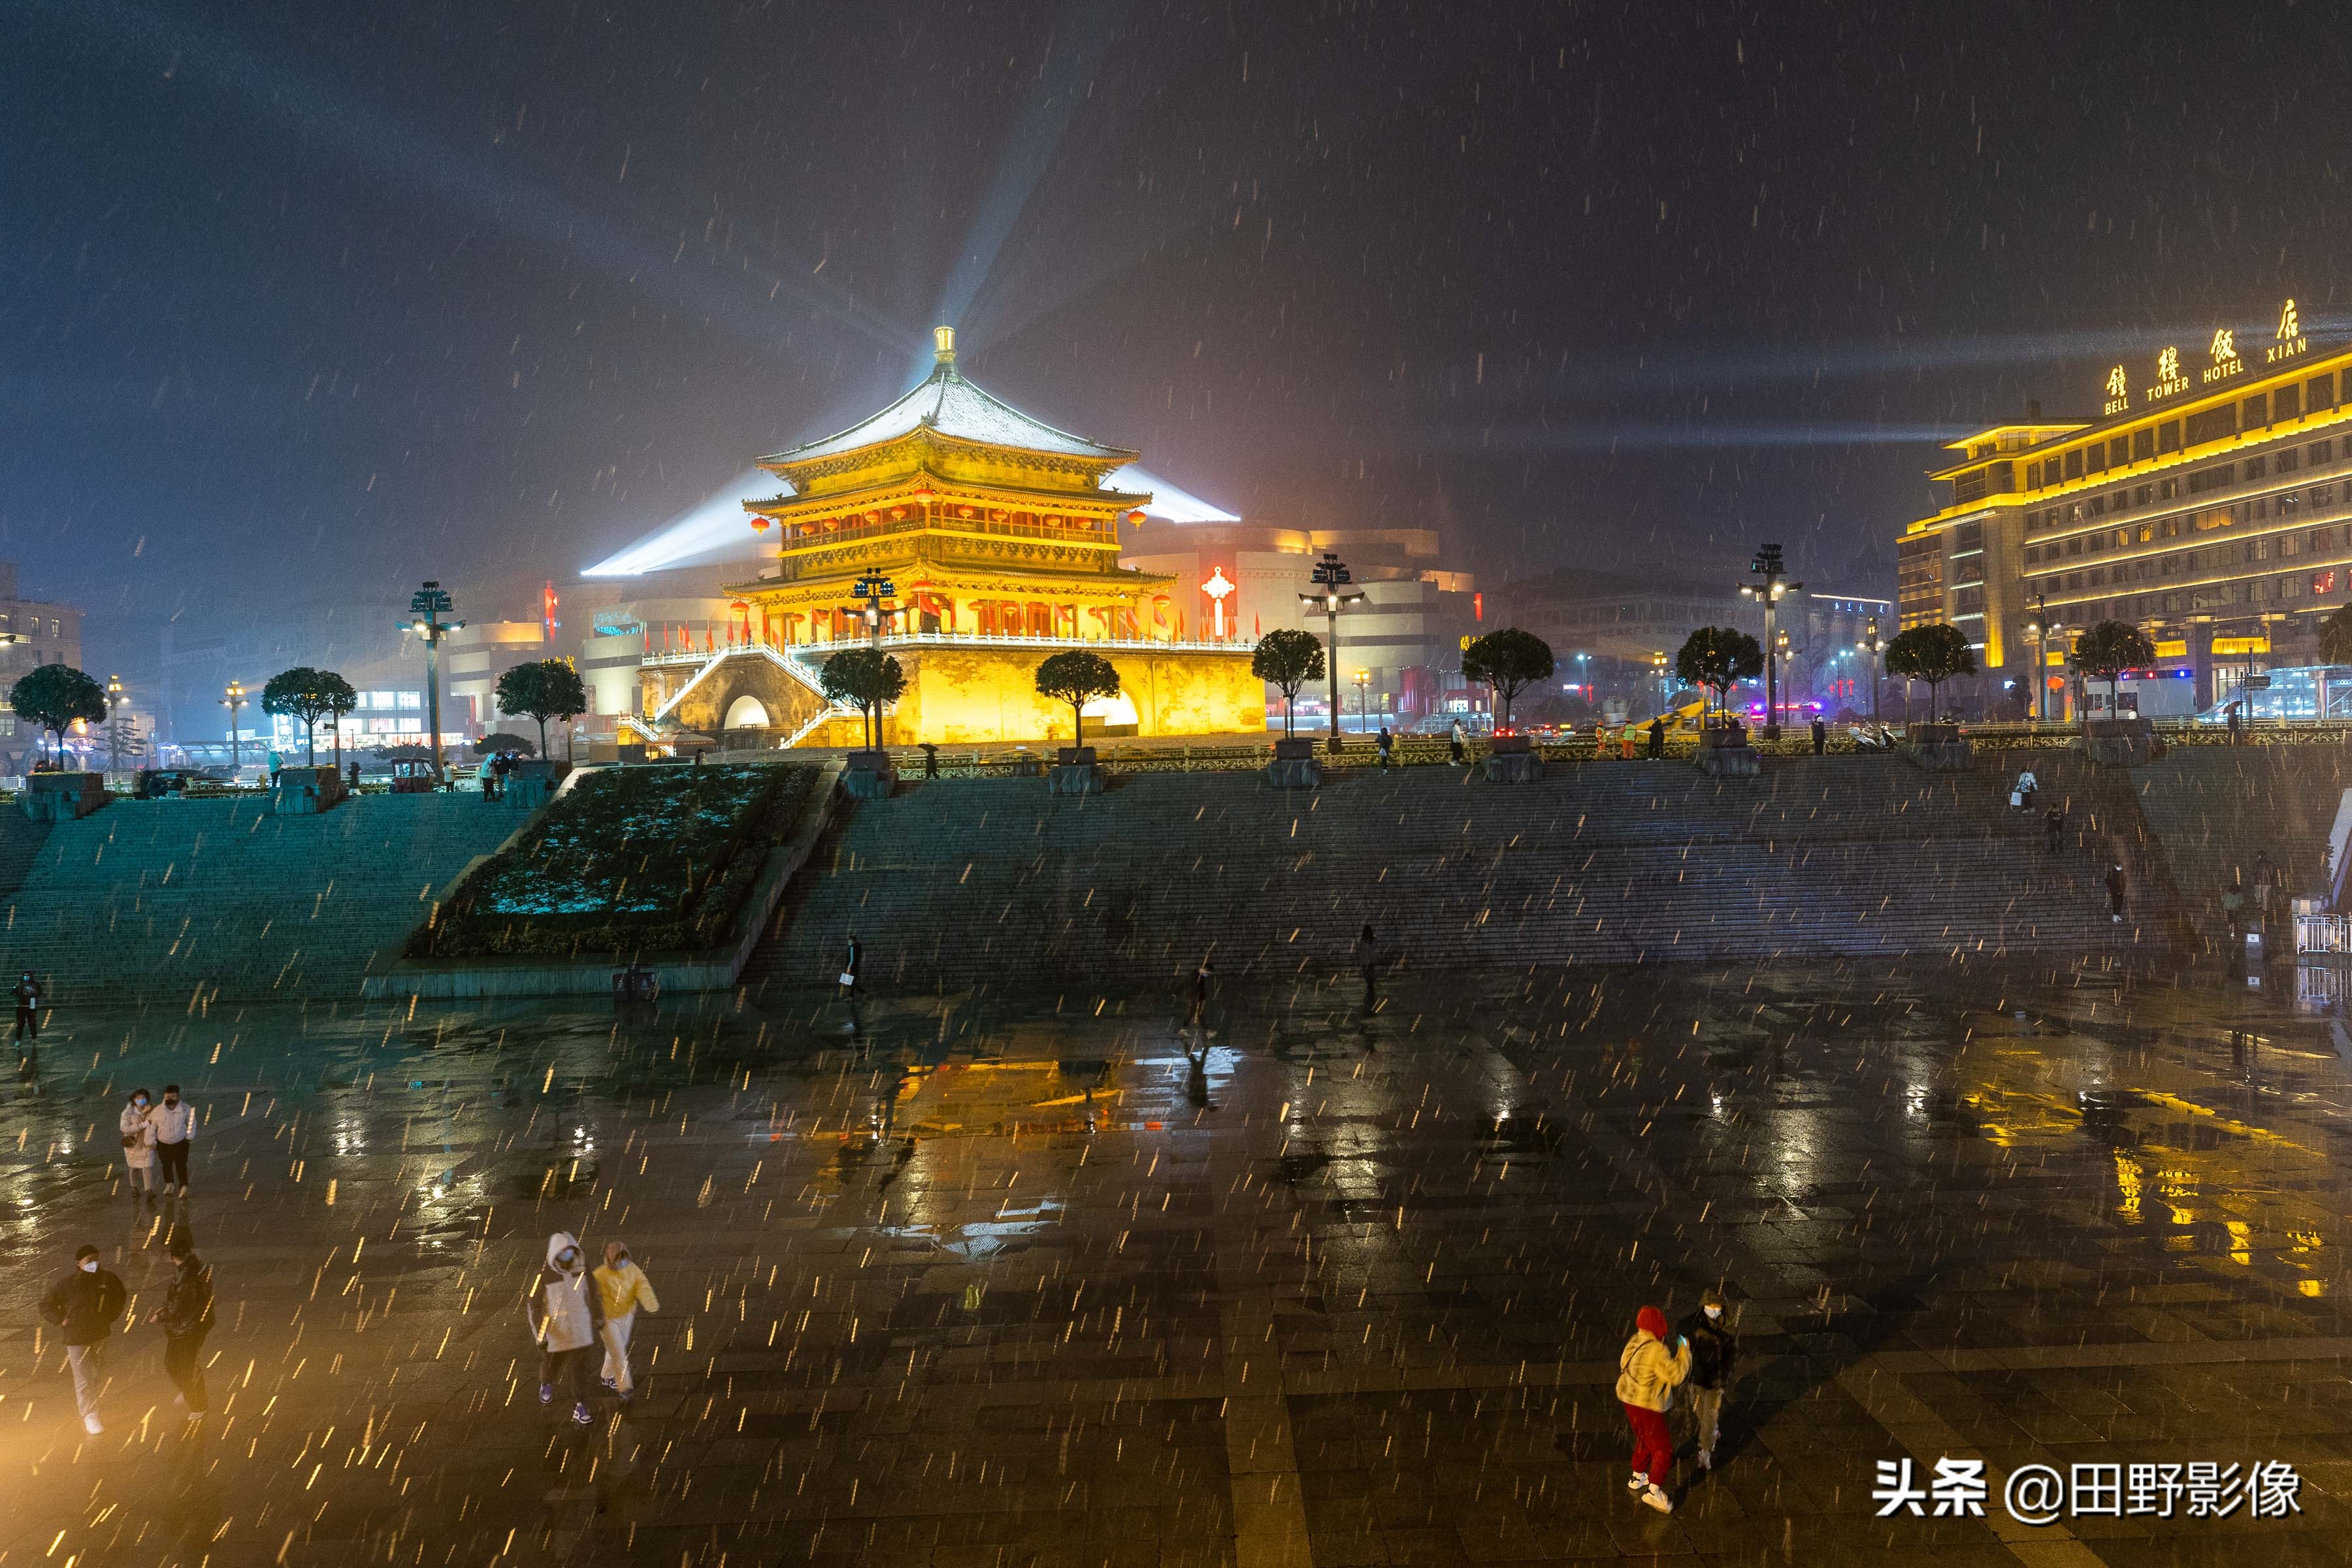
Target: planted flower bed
(632,860)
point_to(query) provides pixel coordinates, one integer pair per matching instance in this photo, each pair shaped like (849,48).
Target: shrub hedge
(629,861)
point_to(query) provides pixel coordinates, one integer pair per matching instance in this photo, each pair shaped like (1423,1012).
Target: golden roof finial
(945,338)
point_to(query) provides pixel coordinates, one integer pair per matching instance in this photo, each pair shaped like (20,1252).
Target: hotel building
(2210,503)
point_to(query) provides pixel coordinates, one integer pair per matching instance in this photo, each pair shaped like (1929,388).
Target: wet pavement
(1068,1280)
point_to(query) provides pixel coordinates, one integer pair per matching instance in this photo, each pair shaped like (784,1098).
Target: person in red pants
(1648,1369)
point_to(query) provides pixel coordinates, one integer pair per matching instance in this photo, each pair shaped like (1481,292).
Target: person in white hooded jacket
(567,1318)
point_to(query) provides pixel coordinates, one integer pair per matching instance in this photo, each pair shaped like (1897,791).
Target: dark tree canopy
(2110,648)
(499,740)
(865,678)
(548,689)
(309,695)
(1933,654)
(1287,659)
(2336,638)
(1718,657)
(1077,678)
(54,697)
(1508,661)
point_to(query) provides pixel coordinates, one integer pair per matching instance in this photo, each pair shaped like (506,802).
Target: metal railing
(2323,934)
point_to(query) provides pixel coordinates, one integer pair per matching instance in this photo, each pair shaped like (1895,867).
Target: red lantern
(1136,517)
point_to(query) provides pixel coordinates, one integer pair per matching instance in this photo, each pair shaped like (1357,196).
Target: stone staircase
(962,880)
(170,902)
(2215,807)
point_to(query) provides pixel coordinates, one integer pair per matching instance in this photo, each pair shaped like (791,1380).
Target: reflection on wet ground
(1032,1278)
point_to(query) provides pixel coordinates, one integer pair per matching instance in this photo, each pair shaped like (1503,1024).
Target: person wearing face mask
(139,1144)
(187,1317)
(567,1318)
(1714,1350)
(625,1289)
(83,1305)
(176,1124)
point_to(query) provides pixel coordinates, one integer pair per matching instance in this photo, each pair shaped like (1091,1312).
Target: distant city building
(33,632)
(1406,636)
(2207,501)
(1610,632)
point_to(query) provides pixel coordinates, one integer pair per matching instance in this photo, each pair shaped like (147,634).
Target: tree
(1718,657)
(1507,662)
(1287,659)
(1933,654)
(2110,648)
(1077,678)
(548,689)
(309,695)
(2336,638)
(54,697)
(500,741)
(868,678)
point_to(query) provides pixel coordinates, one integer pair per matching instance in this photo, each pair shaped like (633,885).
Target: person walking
(2266,880)
(1657,739)
(1387,744)
(566,1310)
(849,968)
(1203,978)
(2237,728)
(1456,741)
(82,1305)
(2116,891)
(2054,827)
(930,760)
(1368,961)
(175,1123)
(187,1317)
(2234,906)
(2028,787)
(1820,736)
(625,1290)
(1647,1372)
(1714,1350)
(139,1143)
(27,992)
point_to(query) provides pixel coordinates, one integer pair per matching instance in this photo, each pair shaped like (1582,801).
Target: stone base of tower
(986,696)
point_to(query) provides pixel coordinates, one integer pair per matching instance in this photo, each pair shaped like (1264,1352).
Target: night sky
(303,303)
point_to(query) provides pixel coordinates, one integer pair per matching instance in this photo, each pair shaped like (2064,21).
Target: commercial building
(33,632)
(2208,501)
(1245,579)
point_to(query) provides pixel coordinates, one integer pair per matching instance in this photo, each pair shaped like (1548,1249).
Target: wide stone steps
(181,900)
(962,880)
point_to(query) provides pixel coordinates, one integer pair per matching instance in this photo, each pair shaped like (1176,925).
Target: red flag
(709,644)
(1253,629)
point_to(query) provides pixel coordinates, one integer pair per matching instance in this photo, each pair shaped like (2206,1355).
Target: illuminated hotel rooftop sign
(2288,342)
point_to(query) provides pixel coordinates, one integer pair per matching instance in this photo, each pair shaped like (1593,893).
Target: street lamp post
(113,733)
(1871,645)
(233,701)
(1331,575)
(1363,702)
(873,587)
(1781,658)
(1768,569)
(2039,629)
(1658,669)
(425,608)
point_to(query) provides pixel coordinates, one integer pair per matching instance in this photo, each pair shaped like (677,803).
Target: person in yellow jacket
(625,1288)
(1648,1369)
